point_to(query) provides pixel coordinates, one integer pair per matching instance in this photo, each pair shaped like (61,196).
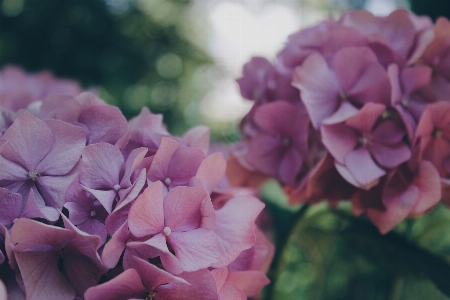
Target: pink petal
(250,282)
(290,166)
(146,215)
(183,208)
(201,286)
(196,249)
(231,291)
(211,171)
(115,246)
(234,227)
(160,165)
(153,276)
(198,137)
(124,286)
(184,165)
(427,181)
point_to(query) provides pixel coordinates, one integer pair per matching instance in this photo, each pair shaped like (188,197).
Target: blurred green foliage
(132,51)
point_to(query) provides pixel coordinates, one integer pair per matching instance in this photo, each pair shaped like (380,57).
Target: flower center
(151,296)
(93,213)
(33,175)
(437,133)
(117,187)
(286,141)
(364,140)
(405,102)
(167,181)
(167,231)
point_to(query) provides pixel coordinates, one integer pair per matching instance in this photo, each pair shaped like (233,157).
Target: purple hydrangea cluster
(353,109)
(95,207)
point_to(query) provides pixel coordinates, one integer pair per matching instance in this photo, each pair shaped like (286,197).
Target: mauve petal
(416,77)
(152,276)
(344,112)
(131,164)
(32,210)
(27,233)
(29,141)
(350,63)
(390,156)
(100,166)
(85,244)
(436,151)
(366,118)
(115,246)
(339,140)
(250,282)
(276,117)
(364,176)
(231,291)
(319,88)
(211,171)
(428,183)
(126,285)
(105,123)
(53,189)
(198,137)
(42,279)
(234,227)
(388,133)
(3,292)
(130,194)
(106,198)
(183,165)
(220,276)
(160,165)
(12,176)
(265,153)
(94,227)
(201,286)
(146,215)
(182,208)
(10,207)
(117,218)
(290,166)
(398,206)
(80,272)
(77,213)
(196,249)
(69,141)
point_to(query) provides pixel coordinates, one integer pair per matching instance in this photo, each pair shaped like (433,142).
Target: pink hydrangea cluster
(353,109)
(95,207)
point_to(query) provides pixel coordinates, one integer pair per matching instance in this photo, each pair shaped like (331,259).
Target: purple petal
(115,246)
(211,171)
(100,166)
(105,123)
(10,207)
(339,140)
(160,165)
(146,215)
(29,141)
(319,88)
(391,156)
(69,141)
(365,176)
